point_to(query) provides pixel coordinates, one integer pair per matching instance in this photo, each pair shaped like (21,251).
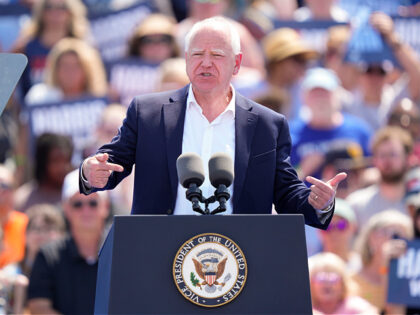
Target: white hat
(71,186)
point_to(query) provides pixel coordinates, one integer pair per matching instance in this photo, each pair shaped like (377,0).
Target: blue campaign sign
(312,32)
(390,7)
(76,118)
(12,17)
(408,30)
(112,30)
(404,277)
(366,45)
(131,77)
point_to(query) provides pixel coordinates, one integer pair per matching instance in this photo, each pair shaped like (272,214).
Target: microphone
(191,176)
(221,177)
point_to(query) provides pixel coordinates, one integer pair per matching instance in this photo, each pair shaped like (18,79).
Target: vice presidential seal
(210,270)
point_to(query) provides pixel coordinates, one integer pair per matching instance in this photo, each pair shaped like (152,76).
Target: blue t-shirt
(307,140)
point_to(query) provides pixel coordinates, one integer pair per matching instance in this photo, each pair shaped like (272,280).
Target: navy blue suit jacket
(151,138)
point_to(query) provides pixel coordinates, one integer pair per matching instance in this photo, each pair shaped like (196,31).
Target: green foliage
(193,279)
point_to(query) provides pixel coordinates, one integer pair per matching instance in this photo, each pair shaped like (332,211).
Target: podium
(11,69)
(139,265)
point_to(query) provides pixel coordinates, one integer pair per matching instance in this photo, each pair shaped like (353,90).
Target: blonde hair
(331,263)
(89,59)
(78,27)
(174,70)
(380,220)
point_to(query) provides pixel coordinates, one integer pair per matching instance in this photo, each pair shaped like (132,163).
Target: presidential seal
(210,270)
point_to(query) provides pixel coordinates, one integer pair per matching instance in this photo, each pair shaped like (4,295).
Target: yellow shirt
(372,292)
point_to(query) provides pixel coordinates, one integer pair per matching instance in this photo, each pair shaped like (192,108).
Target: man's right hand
(97,170)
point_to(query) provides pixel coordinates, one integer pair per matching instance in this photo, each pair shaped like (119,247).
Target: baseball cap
(344,210)
(71,186)
(346,156)
(320,78)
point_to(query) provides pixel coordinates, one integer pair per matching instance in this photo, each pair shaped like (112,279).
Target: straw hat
(283,43)
(156,24)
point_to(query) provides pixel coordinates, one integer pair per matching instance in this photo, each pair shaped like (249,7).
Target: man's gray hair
(216,22)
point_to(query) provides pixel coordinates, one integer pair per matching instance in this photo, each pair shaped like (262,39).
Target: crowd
(348,110)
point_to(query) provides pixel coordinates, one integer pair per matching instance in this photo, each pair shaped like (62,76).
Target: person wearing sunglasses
(332,288)
(154,40)
(378,91)
(63,277)
(337,238)
(382,238)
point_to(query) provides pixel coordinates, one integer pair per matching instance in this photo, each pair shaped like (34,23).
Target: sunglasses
(326,277)
(375,71)
(41,229)
(389,233)
(161,39)
(299,59)
(4,186)
(340,225)
(77,205)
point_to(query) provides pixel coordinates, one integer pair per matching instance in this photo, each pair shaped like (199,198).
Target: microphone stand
(195,195)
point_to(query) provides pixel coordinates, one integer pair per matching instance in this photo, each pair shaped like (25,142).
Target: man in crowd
(391,147)
(208,117)
(63,277)
(327,126)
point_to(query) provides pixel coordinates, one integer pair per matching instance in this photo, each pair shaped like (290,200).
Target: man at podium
(205,117)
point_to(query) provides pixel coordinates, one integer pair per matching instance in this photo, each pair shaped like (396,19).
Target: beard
(393,177)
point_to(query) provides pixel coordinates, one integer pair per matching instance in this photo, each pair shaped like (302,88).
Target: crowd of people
(360,116)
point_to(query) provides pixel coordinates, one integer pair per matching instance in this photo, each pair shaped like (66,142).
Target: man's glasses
(326,277)
(340,225)
(93,204)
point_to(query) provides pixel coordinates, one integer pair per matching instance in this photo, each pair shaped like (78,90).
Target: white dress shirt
(205,138)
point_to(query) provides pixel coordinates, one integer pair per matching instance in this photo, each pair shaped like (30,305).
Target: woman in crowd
(74,70)
(154,39)
(331,287)
(52,163)
(382,238)
(51,21)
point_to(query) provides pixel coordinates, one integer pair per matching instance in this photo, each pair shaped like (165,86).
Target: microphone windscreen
(190,169)
(221,169)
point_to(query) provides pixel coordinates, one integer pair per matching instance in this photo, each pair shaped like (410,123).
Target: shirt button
(169,211)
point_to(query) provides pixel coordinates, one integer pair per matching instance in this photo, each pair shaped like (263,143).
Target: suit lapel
(173,118)
(245,123)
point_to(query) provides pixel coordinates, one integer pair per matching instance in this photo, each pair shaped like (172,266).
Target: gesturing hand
(97,170)
(323,193)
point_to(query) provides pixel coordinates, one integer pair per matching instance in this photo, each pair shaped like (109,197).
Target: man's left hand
(323,193)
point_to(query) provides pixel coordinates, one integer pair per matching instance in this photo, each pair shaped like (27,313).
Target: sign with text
(77,118)
(313,32)
(404,277)
(111,31)
(132,77)
(408,29)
